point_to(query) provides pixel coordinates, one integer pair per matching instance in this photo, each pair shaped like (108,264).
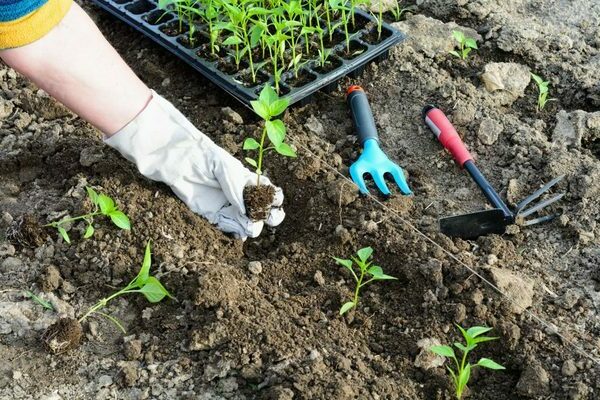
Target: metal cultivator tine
(522,213)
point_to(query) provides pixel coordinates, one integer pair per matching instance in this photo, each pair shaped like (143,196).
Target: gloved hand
(166,147)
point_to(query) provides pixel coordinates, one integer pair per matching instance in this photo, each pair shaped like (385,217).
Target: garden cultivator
(495,220)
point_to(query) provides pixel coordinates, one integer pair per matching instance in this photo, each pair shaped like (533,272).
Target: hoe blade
(473,225)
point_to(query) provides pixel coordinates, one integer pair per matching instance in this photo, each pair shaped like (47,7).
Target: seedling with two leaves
(366,270)
(103,205)
(462,373)
(143,283)
(465,45)
(542,87)
(268,106)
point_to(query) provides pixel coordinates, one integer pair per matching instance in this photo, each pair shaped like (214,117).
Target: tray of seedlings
(296,46)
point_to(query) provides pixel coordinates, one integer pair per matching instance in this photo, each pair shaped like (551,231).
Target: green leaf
(255,34)
(455,53)
(378,274)
(444,351)
(64,234)
(261,109)
(276,132)
(364,253)
(120,219)
(92,195)
(465,53)
(232,40)
(39,300)
(461,347)
(537,78)
(459,36)
(470,42)
(285,150)
(278,106)
(490,364)
(346,307)
(482,339)
(142,276)
(251,144)
(106,204)
(344,262)
(267,95)
(154,290)
(478,330)
(251,162)
(89,231)
(464,377)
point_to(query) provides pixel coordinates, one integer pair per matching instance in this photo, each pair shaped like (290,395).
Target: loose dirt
(258,200)
(259,320)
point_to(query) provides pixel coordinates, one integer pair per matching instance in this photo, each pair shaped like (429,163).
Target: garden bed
(240,330)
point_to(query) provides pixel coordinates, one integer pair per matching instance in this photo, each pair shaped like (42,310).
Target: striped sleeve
(24,21)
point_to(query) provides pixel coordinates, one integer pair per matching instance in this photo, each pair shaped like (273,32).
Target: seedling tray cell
(162,28)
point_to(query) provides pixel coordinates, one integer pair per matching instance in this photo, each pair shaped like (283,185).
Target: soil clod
(26,231)
(63,335)
(258,200)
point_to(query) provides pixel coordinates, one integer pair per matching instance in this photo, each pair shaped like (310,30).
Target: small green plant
(143,283)
(398,11)
(465,44)
(36,299)
(367,269)
(542,87)
(268,106)
(462,373)
(103,205)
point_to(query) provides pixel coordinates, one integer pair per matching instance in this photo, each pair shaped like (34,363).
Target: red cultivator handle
(446,134)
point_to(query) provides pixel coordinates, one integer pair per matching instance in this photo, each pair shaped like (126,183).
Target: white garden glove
(166,147)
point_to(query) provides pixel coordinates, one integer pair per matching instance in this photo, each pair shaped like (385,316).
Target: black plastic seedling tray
(146,17)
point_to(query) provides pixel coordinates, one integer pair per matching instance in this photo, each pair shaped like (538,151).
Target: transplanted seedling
(103,205)
(66,333)
(462,373)
(366,270)
(465,45)
(542,87)
(268,106)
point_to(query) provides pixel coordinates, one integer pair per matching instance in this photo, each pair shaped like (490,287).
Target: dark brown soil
(62,336)
(331,64)
(258,200)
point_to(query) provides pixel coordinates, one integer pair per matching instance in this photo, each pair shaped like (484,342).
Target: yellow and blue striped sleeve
(25,21)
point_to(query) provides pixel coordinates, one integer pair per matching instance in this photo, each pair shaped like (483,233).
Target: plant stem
(358,286)
(62,221)
(261,150)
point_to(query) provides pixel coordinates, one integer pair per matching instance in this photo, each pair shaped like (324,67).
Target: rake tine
(540,205)
(539,220)
(537,194)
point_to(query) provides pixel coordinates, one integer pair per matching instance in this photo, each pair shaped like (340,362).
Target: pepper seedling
(268,106)
(542,87)
(103,205)
(462,373)
(465,44)
(143,283)
(367,269)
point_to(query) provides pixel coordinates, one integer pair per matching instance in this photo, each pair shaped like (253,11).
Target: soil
(62,336)
(258,200)
(259,319)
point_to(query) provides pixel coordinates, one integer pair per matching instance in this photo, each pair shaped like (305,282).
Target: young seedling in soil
(268,106)
(542,87)
(103,205)
(465,44)
(36,299)
(367,270)
(65,334)
(399,11)
(462,373)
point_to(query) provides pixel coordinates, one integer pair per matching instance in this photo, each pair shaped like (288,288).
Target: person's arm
(75,64)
